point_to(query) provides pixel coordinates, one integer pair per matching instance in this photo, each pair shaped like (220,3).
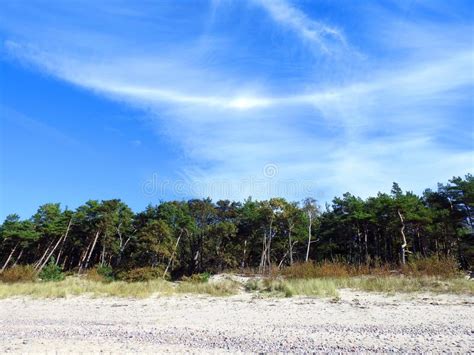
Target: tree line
(198,235)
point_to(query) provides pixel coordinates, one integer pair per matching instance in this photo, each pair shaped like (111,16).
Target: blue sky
(148,101)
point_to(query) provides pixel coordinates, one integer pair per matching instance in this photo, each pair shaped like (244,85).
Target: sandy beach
(244,323)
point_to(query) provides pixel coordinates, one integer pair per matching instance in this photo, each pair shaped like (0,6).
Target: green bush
(20,273)
(141,274)
(106,272)
(52,272)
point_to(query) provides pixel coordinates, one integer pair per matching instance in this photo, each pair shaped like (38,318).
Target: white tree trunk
(18,257)
(290,246)
(404,239)
(309,236)
(264,253)
(55,246)
(64,240)
(92,249)
(242,264)
(83,257)
(9,257)
(172,255)
(38,263)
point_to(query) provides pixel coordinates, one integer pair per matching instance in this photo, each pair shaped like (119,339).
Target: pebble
(293,326)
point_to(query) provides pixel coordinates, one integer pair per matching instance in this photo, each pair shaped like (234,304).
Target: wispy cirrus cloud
(315,32)
(387,120)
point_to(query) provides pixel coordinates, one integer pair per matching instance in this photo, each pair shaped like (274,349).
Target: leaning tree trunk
(242,264)
(9,257)
(269,246)
(309,237)
(59,253)
(283,259)
(38,263)
(290,249)
(121,247)
(55,246)
(92,249)
(17,259)
(196,260)
(286,254)
(64,240)
(366,245)
(264,253)
(83,257)
(63,266)
(404,239)
(266,261)
(50,253)
(102,256)
(172,255)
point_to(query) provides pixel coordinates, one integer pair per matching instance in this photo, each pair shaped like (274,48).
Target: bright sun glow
(245,103)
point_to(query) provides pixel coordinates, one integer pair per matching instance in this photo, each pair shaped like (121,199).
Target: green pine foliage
(106,239)
(51,272)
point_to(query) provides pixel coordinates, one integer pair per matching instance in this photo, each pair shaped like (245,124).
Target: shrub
(93,275)
(445,267)
(100,273)
(141,274)
(311,270)
(20,273)
(52,272)
(335,269)
(433,266)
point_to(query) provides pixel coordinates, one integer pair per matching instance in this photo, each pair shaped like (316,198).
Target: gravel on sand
(357,322)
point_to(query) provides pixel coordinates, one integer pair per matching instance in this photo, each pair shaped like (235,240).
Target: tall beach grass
(434,275)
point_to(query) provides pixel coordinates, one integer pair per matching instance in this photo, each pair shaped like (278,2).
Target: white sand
(358,322)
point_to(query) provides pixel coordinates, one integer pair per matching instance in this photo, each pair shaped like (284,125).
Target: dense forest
(185,237)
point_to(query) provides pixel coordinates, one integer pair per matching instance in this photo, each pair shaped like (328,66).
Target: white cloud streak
(309,30)
(359,135)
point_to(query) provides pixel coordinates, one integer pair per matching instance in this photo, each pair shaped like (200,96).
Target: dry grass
(147,273)
(335,269)
(444,267)
(94,275)
(318,287)
(328,287)
(75,286)
(401,284)
(435,275)
(20,273)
